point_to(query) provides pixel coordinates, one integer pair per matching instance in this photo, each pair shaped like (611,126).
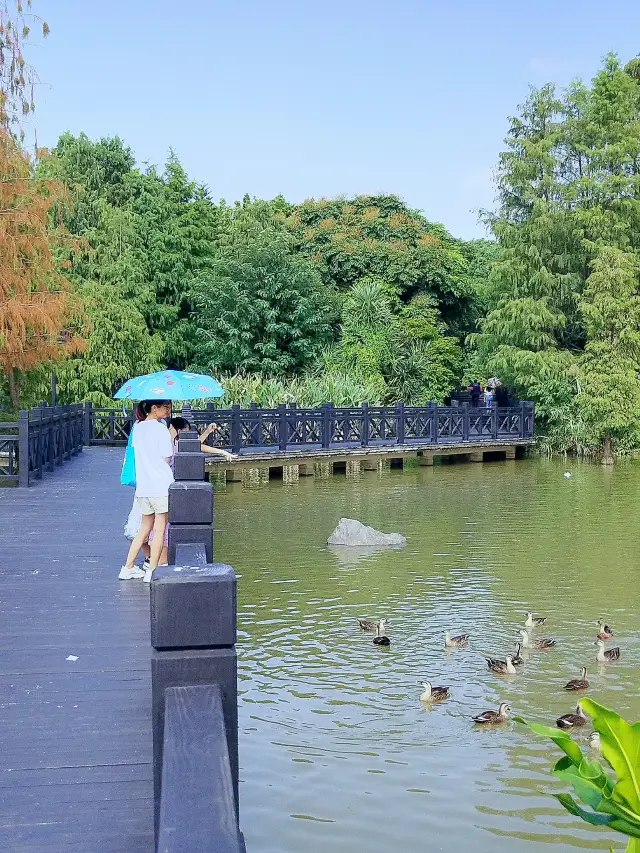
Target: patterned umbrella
(170,385)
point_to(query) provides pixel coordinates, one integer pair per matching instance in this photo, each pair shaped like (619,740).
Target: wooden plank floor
(75,737)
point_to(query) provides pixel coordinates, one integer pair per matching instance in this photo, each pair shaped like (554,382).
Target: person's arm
(206,449)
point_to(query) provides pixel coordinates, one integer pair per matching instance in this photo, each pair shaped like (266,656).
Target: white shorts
(151,506)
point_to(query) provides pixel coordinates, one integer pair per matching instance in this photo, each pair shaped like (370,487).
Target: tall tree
(609,397)
(35,298)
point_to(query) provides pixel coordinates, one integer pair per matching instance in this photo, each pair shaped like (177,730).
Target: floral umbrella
(170,385)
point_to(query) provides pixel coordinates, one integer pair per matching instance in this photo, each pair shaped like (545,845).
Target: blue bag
(128,475)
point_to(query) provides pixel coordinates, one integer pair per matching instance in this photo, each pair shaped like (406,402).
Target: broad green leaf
(589,817)
(562,739)
(621,748)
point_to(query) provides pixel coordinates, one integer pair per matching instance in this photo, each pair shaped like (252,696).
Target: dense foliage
(364,298)
(563,323)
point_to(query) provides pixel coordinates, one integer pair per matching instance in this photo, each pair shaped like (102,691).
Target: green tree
(379,237)
(261,307)
(609,397)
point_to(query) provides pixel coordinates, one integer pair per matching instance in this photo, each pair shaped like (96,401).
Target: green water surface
(336,749)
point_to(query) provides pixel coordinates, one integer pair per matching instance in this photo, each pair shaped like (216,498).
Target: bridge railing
(194,677)
(41,439)
(290,427)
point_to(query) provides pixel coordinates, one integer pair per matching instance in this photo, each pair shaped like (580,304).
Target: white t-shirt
(152,445)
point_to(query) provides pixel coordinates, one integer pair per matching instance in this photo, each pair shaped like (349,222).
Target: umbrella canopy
(170,385)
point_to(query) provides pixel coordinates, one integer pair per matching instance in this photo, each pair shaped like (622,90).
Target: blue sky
(314,99)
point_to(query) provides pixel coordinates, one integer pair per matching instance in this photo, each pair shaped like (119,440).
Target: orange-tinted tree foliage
(35,297)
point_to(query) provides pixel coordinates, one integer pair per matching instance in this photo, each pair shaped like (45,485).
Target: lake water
(336,749)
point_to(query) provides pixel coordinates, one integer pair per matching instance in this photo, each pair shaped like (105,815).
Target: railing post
(88,423)
(364,424)
(434,408)
(465,422)
(400,422)
(494,421)
(193,635)
(23,449)
(523,414)
(190,500)
(235,429)
(282,426)
(325,426)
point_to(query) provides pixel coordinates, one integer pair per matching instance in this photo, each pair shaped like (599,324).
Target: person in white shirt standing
(153,450)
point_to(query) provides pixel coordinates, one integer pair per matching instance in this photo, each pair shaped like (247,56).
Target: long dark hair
(144,407)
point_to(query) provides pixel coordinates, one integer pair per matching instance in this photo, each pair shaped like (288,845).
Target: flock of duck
(509,665)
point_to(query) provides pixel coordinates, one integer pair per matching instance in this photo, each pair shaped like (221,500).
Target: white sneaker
(146,564)
(147,576)
(129,574)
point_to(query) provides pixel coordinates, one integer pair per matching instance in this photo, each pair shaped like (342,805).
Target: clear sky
(314,99)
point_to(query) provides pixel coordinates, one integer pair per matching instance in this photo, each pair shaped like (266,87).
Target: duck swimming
(381,639)
(606,655)
(604,631)
(434,694)
(534,621)
(503,667)
(594,742)
(572,721)
(499,716)
(456,642)
(528,643)
(578,683)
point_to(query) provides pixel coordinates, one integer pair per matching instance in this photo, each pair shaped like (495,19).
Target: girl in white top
(153,450)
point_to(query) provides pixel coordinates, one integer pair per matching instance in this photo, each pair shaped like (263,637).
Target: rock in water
(353,533)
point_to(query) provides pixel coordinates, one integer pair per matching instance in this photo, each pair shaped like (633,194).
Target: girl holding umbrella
(153,451)
(152,446)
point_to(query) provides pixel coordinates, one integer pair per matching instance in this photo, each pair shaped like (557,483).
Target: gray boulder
(356,534)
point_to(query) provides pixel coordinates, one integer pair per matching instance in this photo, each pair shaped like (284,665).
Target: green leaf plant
(602,799)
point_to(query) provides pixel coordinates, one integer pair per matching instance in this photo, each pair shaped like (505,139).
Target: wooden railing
(41,439)
(328,426)
(194,678)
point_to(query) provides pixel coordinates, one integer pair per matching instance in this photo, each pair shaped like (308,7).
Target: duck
(572,721)
(605,655)
(528,643)
(534,621)
(434,694)
(499,716)
(381,639)
(604,631)
(517,659)
(578,683)
(456,642)
(369,625)
(504,667)
(594,742)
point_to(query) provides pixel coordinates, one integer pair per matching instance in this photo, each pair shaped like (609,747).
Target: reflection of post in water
(324,470)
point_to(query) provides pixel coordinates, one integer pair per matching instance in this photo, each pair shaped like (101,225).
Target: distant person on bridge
(475,389)
(153,451)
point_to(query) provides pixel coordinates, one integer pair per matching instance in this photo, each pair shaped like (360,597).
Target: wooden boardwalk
(75,736)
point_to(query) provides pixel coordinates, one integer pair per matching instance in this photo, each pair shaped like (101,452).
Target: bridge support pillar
(510,453)
(353,468)
(476,456)
(306,470)
(427,459)
(324,470)
(234,475)
(371,464)
(290,473)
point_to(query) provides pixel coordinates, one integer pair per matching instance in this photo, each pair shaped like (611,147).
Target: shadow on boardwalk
(75,748)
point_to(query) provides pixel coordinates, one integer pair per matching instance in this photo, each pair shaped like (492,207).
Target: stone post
(190,500)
